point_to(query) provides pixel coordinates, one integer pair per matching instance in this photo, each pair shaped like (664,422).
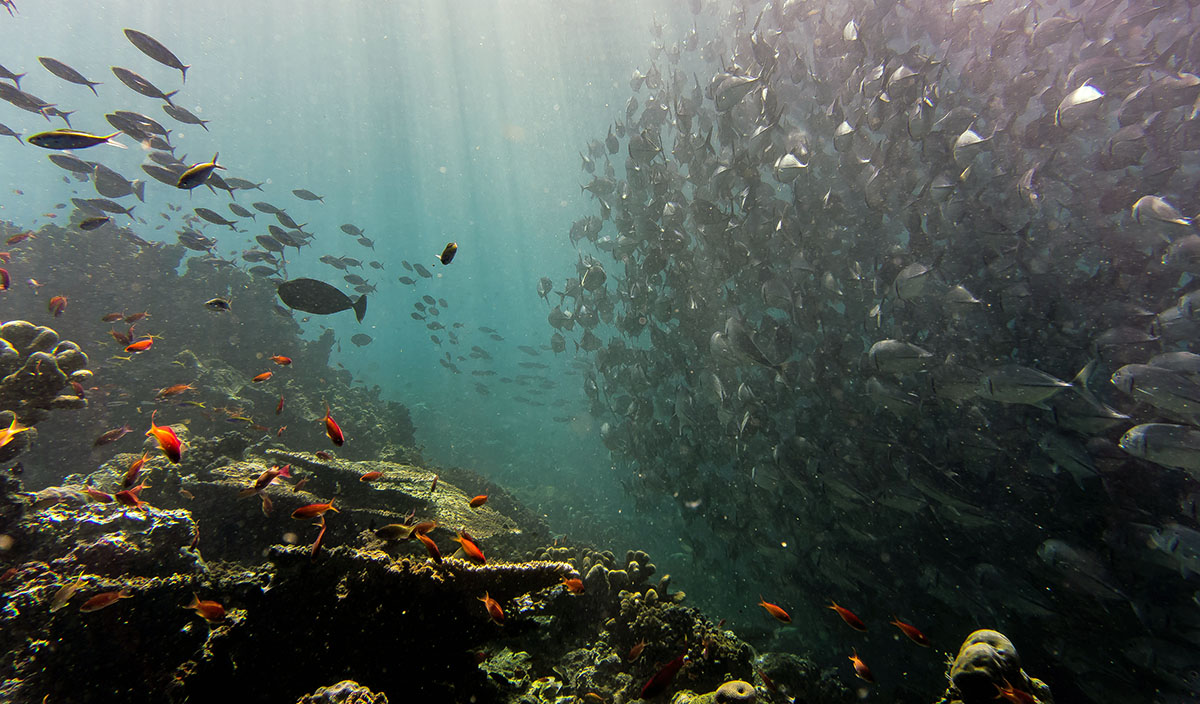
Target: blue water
(419,122)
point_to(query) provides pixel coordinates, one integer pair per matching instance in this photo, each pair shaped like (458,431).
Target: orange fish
(175,390)
(57,305)
(469,547)
(6,257)
(279,406)
(170,443)
(775,611)
(424,527)
(478,501)
(131,474)
(316,546)
(279,433)
(210,611)
(493,608)
(848,616)
(13,429)
(112,317)
(573,584)
(1011,694)
(21,237)
(102,600)
(98,496)
(370,476)
(5,280)
(332,429)
(140,346)
(314,510)
(914,634)
(323,455)
(281,360)
(861,669)
(130,497)
(136,317)
(636,651)
(263,377)
(430,546)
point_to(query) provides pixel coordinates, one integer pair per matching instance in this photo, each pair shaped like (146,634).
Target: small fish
(573,585)
(131,474)
(913,633)
(198,174)
(130,497)
(170,443)
(861,670)
(98,496)
(493,608)
(102,600)
(662,679)
(478,501)
(210,611)
(430,546)
(313,510)
(424,526)
(64,594)
(370,476)
(316,546)
(5,280)
(469,548)
(636,651)
(141,345)
(20,237)
(848,616)
(174,390)
(14,428)
(394,531)
(332,429)
(448,253)
(433,486)
(279,407)
(218,304)
(112,317)
(94,223)
(71,139)
(153,48)
(111,436)
(281,360)
(135,317)
(1015,696)
(187,495)
(57,305)
(778,613)
(262,377)
(323,455)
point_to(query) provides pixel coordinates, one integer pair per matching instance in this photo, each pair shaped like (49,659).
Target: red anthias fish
(848,616)
(662,679)
(914,634)
(57,305)
(332,429)
(170,443)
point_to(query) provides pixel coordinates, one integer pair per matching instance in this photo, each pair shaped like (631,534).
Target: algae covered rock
(986,665)
(35,370)
(344,692)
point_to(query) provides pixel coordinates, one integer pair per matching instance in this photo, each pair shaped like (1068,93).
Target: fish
(258,378)
(168,441)
(185,116)
(361,340)
(394,531)
(131,475)
(279,406)
(110,436)
(174,390)
(64,594)
(635,651)
(316,546)
(57,305)
(140,345)
(220,305)
(151,47)
(332,429)
(661,680)
(138,84)
(469,547)
(198,174)
(67,73)
(314,510)
(370,476)
(319,298)
(775,611)
(104,600)
(71,139)
(280,360)
(448,253)
(914,634)
(94,223)
(574,585)
(860,669)
(5,279)
(848,616)
(492,606)
(210,611)
(478,501)
(305,194)
(430,546)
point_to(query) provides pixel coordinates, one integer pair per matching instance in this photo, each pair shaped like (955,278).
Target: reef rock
(986,665)
(344,692)
(35,366)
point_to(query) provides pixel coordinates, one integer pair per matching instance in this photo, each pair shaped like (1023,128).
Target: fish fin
(360,307)
(167,97)
(184,71)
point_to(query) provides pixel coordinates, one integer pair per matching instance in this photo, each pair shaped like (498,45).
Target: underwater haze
(771,351)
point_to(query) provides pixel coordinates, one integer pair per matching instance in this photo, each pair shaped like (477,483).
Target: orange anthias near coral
(493,608)
(914,634)
(848,616)
(775,611)
(170,443)
(469,548)
(861,670)
(332,429)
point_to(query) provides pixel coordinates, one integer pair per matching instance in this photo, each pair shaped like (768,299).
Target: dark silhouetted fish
(319,298)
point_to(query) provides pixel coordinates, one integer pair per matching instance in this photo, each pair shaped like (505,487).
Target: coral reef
(344,692)
(35,367)
(987,664)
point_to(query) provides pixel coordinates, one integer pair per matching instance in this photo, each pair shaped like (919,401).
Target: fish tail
(360,307)
(167,97)
(184,71)
(93,87)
